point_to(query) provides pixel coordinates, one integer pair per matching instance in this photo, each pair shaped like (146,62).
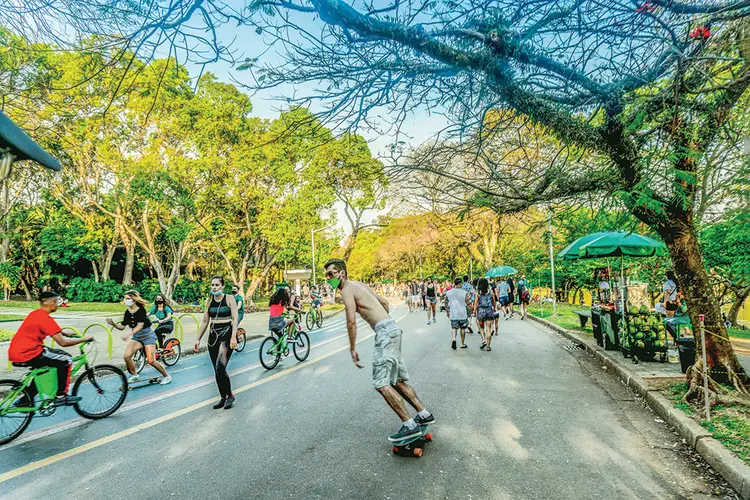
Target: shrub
(88,290)
(6,335)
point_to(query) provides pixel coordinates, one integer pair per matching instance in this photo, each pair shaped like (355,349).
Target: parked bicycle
(278,344)
(102,389)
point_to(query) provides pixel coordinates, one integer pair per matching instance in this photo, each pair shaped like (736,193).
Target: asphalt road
(531,419)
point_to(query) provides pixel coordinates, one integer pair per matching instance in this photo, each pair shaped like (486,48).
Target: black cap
(47,295)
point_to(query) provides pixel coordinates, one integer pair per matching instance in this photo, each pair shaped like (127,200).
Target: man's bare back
(371,307)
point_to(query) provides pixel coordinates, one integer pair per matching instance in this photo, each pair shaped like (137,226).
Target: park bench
(583,317)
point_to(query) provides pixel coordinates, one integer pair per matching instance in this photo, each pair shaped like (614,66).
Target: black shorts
(511,297)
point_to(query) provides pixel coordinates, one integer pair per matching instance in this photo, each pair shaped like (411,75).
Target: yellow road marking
(170,416)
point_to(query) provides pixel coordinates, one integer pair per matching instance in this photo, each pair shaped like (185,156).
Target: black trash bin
(686,345)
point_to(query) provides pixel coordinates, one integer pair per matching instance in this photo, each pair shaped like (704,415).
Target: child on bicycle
(27,346)
(163,314)
(281,301)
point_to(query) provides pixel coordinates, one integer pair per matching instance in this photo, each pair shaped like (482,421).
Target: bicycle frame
(78,362)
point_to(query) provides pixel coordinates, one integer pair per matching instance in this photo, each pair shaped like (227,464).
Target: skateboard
(144,383)
(414,446)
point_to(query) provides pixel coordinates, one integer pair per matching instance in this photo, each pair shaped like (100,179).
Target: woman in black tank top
(221,314)
(431,300)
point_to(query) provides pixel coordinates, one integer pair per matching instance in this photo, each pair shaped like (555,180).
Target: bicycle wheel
(139,360)
(102,390)
(269,353)
(301,346)
(12,425)
(241,340)
(319,317)
(172,351)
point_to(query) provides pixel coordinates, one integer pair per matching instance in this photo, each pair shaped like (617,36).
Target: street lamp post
(312,234)
(551,260)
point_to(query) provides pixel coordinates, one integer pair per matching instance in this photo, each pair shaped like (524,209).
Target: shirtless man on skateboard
(389,373)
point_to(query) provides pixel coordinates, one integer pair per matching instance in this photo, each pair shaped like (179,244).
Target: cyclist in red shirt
(27,346)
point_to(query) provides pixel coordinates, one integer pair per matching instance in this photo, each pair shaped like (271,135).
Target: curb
(731,468)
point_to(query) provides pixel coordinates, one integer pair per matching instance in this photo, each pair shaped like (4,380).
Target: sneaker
(165,380)
(424,421)
(220,404)
(428,321)
(405,433)
(464,346)
(484,344)
(66,400)
(453,345)
(229,403)
(134,378)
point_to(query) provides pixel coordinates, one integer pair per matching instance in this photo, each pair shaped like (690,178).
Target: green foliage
(10,275)
(88,290)
(6,335)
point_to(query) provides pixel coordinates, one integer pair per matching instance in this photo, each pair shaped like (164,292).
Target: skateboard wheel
(395,450)
(417,452)
(428,436)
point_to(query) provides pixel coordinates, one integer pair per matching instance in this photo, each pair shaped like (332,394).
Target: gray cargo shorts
(388,365)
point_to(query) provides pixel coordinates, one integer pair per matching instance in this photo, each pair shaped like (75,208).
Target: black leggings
(218,349)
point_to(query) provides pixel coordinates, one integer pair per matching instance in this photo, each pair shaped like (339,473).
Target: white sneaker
(134,378)
(428,321)
(165,380)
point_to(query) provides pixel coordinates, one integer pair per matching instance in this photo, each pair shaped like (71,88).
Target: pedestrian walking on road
(456,310)
(524,294)
(469,289)
(484,308)
(511,294)
(141,336)
(431,288)
(389,373)
(503,297)
(221,314)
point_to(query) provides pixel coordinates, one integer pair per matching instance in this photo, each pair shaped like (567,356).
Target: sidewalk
(647,379)
(255,325)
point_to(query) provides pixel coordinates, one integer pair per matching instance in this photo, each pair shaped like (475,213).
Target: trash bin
(686,345)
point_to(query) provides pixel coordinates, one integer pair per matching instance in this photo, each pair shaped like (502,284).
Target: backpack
(485,300)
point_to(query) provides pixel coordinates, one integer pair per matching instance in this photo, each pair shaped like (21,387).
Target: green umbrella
(613,244)
(570,252)
(620,244)
(499,271)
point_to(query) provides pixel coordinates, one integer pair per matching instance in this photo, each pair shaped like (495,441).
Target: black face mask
(159,301)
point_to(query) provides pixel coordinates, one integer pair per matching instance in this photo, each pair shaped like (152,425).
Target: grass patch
(331,307)
(6,335)
(565,317)
(11,317)
(739,334)
(72,306)
(730,419)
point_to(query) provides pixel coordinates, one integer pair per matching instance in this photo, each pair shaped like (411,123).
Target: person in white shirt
(670,294)
(455,309)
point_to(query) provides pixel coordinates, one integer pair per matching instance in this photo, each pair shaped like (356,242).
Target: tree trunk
(742,295)
(96,271)
(127,277)
(26,290)
(723,366)
(350,244)
(5,247)
(174,275)
(257,279)
(110,254)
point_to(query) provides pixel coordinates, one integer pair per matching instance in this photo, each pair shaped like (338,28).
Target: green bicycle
(272,348)
(313,317)
(102,389)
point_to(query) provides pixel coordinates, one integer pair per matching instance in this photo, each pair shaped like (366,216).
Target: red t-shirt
(27,343)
